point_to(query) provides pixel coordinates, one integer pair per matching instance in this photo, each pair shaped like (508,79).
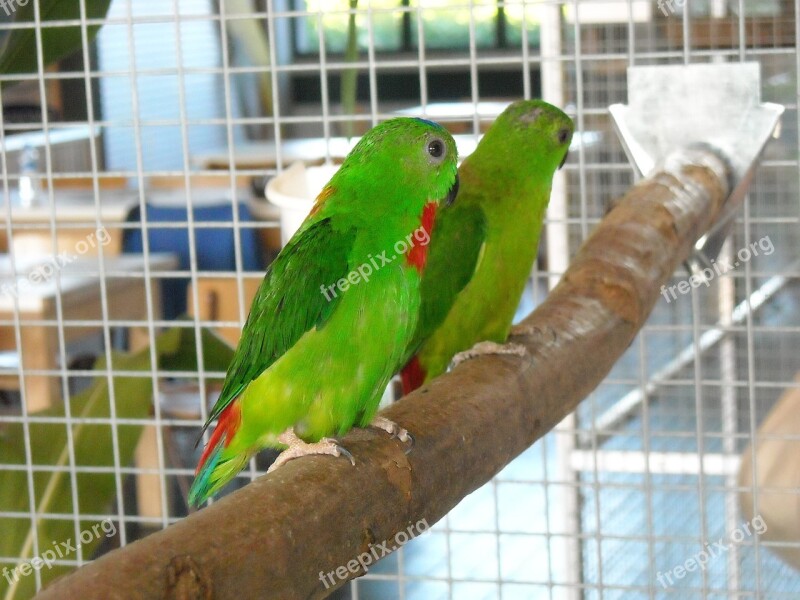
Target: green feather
(288,303)
(450,265)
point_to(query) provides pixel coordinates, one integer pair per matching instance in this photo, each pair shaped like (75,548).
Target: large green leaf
(93,447)
(178,350)
(19,53)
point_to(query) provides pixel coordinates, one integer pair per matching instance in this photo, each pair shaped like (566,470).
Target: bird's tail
(412,376)
(218,465)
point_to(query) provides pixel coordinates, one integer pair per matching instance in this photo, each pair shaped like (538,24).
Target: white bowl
(294,190)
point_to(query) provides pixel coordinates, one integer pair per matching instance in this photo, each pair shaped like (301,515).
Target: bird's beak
(563,160)
(451,195)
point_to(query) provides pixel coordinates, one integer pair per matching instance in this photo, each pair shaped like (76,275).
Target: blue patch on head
(427,122)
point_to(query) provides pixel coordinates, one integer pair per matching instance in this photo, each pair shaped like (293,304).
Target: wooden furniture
(218,299)
(75,217)
(759,31)
(34,294)
(76,212)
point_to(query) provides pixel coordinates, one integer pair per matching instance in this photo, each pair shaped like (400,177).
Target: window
(445,24)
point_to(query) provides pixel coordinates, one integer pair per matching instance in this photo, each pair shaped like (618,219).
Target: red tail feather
(228,423)
(412,375)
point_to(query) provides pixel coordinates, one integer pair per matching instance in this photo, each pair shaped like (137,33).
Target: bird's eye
(436,148)
(563,135)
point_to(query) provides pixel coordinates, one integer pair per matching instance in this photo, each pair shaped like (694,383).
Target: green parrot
(484,245)
(337,310)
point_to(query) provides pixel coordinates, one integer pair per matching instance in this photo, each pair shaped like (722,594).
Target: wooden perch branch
(275,537)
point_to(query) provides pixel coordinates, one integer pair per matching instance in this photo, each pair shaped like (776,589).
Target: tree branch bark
(280,535)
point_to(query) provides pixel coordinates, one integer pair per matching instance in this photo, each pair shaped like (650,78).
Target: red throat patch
(417,255)
(412,375)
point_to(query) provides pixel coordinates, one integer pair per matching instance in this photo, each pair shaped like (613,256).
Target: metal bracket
(716,105)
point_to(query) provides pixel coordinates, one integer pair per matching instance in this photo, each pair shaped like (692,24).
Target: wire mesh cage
(137,139)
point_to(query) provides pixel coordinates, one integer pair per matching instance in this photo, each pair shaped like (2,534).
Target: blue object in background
(214,246)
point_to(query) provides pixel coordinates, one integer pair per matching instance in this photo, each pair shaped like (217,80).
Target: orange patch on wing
(326,193)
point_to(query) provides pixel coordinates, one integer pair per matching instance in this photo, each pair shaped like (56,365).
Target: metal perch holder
(666,115)
(278,536)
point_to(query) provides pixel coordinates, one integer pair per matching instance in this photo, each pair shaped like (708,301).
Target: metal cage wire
(642,477)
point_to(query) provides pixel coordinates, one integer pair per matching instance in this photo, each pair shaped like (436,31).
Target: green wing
(289,302)
(458,236)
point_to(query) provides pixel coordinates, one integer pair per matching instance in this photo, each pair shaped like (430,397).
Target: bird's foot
(483,348)
(394,430)
(390,427)
(297,448)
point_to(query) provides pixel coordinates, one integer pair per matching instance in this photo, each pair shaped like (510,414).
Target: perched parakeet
(484,245)
(334,316)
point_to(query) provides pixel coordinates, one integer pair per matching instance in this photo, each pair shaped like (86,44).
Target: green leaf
(178,350)
(93,445)
(19,53)
(53,489)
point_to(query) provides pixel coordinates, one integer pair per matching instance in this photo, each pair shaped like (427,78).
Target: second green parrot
(484,245)
(337,310)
